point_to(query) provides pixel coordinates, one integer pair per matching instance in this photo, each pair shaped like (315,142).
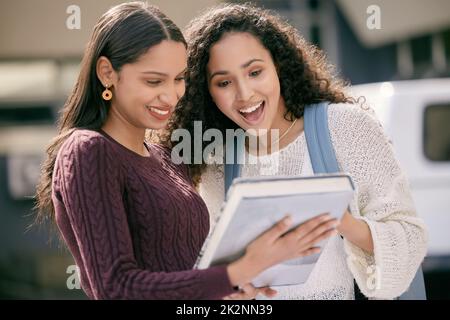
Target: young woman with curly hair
(131,218)
(249,69)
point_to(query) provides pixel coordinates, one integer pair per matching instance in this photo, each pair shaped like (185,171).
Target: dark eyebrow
(245,65)
(161,73)
(155,72)
(184,71)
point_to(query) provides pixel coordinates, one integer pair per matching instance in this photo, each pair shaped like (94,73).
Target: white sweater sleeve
(383,201)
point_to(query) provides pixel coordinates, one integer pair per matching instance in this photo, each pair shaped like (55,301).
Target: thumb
(249,289)
(268,292)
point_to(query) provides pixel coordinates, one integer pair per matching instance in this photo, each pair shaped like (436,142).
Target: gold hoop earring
(107,94)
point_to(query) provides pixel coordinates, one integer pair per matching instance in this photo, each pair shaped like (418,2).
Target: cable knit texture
(133,224)
(382,200)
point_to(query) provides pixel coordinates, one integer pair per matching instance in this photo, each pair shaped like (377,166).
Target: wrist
(356,231)
(241,272)
(346,225)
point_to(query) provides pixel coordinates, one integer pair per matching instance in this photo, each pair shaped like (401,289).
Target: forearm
(357,232)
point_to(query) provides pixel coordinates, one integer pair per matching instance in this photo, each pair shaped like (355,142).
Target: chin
(156,126)
(260,130)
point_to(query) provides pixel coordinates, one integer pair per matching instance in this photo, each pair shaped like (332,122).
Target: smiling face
(243,82)
(146,92)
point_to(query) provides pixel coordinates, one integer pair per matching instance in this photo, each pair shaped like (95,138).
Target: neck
(125,133)
(287,132)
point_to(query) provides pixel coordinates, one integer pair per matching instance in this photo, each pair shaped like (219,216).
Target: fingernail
(288,220)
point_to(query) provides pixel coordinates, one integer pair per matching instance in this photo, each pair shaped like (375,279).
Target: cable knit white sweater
(382,199)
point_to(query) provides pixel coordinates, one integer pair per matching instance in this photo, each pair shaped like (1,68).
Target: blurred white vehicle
(416,116)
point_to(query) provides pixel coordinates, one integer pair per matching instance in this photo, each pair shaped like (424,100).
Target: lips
(253,113)
(159,113)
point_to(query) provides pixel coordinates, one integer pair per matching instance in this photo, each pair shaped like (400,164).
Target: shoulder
(87,155)
(359,141)
(349,113)
(83,144)
(348,122)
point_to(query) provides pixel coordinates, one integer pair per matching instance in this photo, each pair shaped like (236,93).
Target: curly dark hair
(305,75)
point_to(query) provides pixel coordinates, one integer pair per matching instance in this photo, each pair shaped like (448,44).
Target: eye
(223,84)
(179,79)
(255,73)
(154,82)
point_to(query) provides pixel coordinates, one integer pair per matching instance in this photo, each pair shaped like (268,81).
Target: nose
(170,96)
(244,91)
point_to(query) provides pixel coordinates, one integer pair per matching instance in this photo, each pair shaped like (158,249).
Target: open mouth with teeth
(253,113)
(160,114)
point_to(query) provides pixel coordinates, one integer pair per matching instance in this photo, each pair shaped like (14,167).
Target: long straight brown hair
(122,34)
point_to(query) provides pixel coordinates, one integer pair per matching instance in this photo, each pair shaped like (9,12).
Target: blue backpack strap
(323,160)
(317,134)
(232,170)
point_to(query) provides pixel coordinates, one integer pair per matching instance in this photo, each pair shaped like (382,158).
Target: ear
(105,72)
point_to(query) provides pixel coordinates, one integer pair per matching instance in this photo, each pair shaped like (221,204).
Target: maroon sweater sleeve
(93,221)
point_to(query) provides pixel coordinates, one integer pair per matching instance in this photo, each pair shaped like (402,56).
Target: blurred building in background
(39,58)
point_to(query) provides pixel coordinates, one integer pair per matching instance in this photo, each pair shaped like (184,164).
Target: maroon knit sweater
(134,224)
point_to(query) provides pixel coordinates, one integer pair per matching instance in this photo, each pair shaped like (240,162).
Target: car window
(437,132)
